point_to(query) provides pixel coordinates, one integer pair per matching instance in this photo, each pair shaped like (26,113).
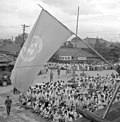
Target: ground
(21,115)
(17,114)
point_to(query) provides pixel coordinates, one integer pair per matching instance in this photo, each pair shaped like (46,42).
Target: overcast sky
(96,18)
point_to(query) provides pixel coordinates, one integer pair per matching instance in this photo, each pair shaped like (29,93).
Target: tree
(64,44)
(114,53)
(105,53)
(7,41)
(102,49)
(19,38)
(97,45)
(104,45)
(70,45)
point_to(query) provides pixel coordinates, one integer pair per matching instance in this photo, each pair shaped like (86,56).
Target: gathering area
(58,100)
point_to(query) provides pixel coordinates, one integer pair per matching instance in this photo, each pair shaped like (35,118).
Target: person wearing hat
(8,103)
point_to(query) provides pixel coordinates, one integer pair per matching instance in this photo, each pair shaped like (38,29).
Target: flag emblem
(28,53)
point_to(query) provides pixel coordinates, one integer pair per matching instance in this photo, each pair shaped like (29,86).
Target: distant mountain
(89,41)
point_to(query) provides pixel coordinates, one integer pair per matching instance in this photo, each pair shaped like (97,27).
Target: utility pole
(24,27)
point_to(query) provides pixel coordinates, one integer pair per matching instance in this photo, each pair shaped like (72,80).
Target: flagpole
(74,60)
(40,6)
(77,22)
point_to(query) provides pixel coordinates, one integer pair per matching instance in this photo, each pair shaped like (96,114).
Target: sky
(97,18)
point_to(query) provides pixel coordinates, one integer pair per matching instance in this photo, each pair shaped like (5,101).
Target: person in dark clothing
(51,76)
(58,71)
(8,103)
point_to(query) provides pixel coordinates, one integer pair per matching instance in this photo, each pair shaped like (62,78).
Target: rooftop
(73,51)
(11,48)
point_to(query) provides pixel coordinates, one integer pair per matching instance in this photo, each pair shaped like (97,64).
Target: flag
(45,38)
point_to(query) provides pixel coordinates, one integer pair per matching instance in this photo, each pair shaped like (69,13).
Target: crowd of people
(80,66)
(58,101)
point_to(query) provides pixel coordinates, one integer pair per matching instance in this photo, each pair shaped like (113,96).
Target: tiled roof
(79,43)
(73,51)
(12,48)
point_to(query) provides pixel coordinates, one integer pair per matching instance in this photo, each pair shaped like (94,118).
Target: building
(92,41)
(77,42)
(11,50)
(8,54)
(4,62)
(68,55)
